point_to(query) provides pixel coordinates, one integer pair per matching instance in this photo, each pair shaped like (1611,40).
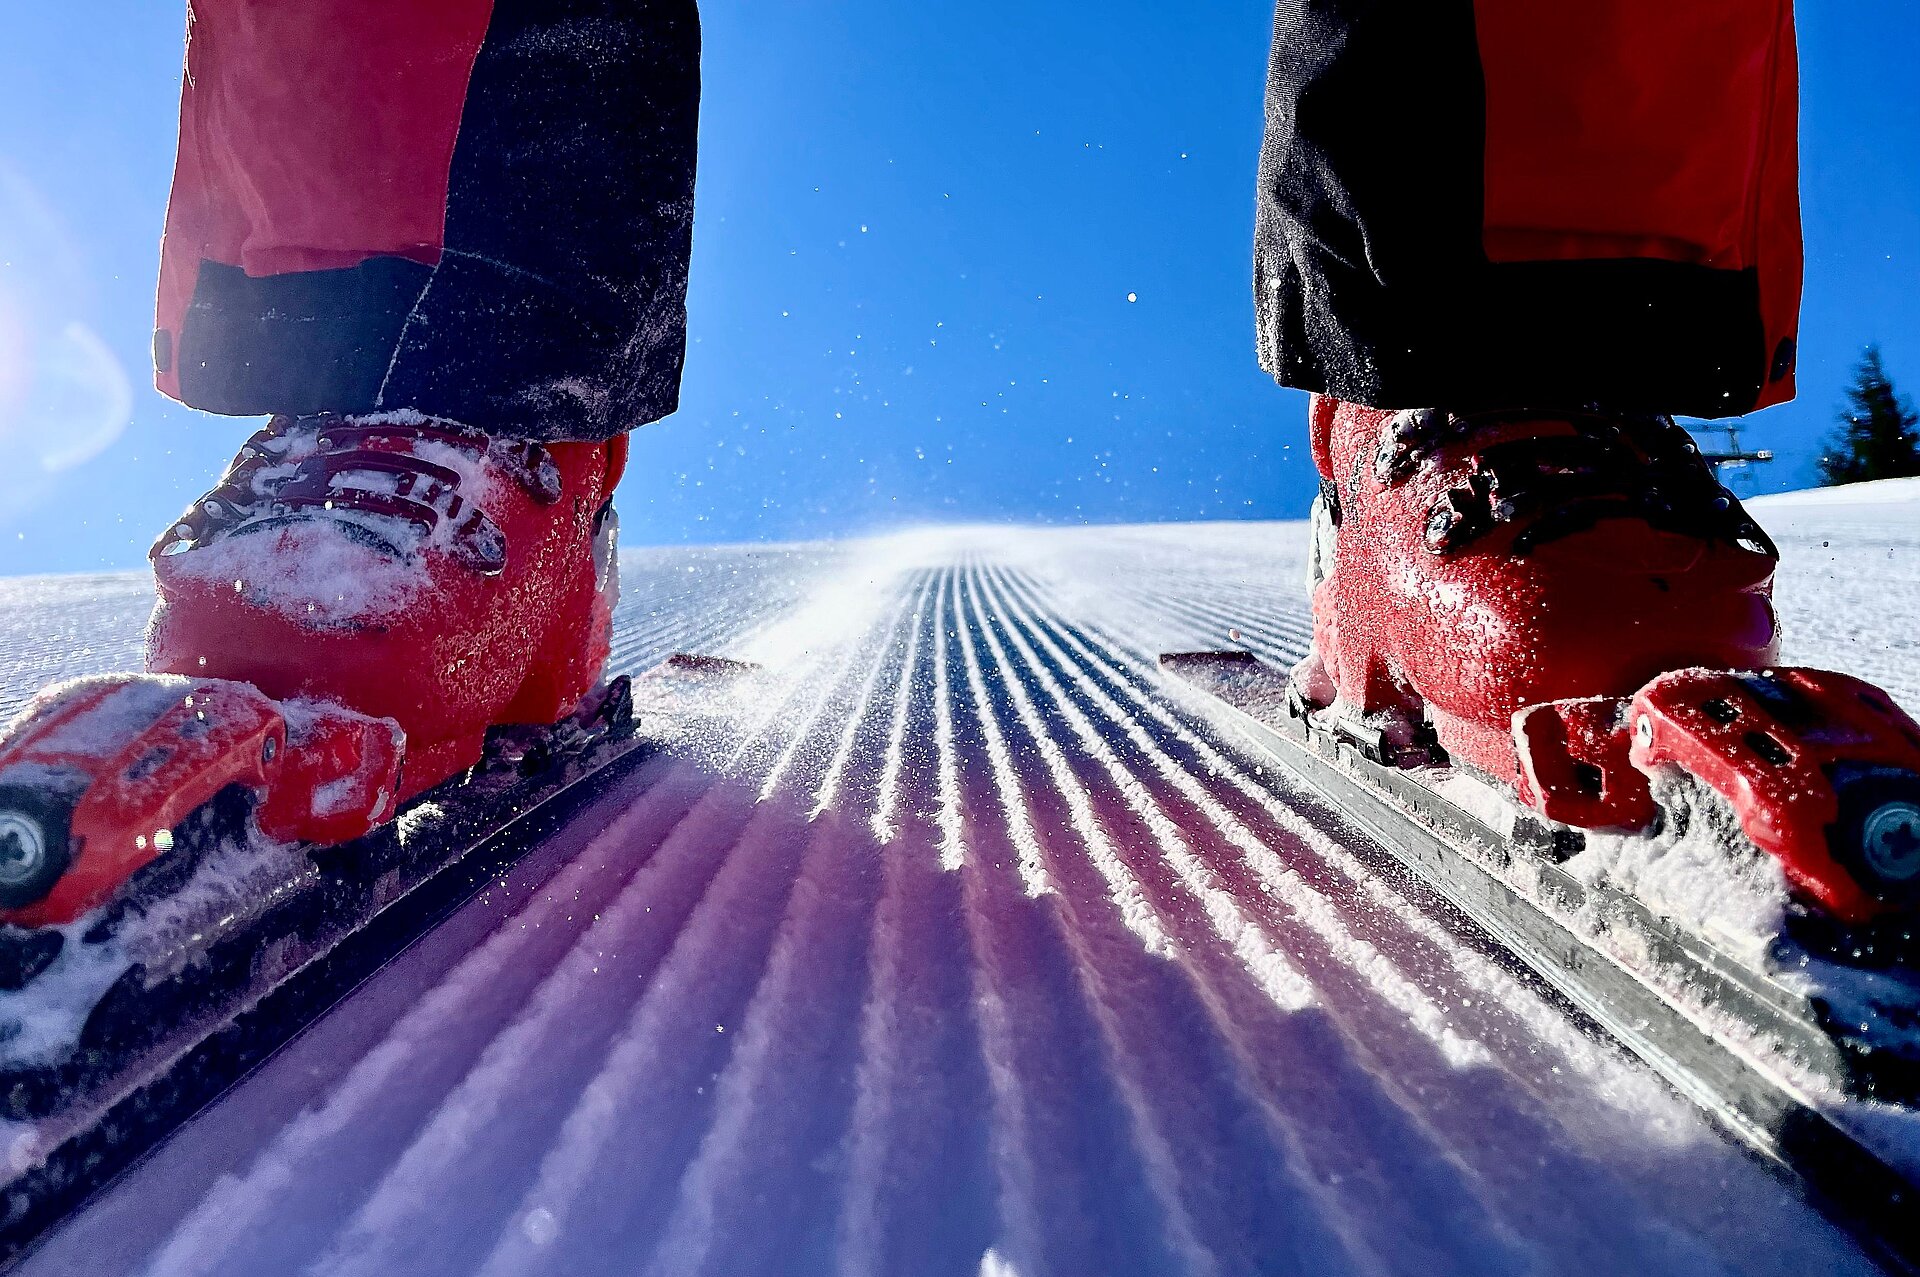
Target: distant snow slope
(954,948)
(1893,492)
(1849,585)
(55,627)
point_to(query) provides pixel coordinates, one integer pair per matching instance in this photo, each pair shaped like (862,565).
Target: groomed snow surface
(956,948)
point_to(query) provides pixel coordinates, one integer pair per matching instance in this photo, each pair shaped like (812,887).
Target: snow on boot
(404,567)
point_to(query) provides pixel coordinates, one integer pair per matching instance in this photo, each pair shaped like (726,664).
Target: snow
(314,569)
(786,1000)
(1900,493)
(1738,899)
(41,1024)
(1848,590)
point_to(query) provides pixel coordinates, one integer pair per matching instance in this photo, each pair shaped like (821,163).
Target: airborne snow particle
(24,1151)
(992,1265)
(540,1226)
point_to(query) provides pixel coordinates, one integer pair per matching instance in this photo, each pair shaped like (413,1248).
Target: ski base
(1475,866)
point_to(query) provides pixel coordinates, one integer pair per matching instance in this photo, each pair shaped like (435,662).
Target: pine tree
(1879,435)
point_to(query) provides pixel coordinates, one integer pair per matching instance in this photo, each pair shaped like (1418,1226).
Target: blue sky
(919,227)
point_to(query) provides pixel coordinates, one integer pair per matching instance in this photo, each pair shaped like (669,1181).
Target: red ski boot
(339,623)
(406,568)
(1535,593)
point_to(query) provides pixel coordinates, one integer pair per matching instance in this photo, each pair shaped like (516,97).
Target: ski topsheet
(1767,1059)
(155,1004)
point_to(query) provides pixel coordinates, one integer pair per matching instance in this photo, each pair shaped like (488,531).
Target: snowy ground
(958,949)
(1849,584)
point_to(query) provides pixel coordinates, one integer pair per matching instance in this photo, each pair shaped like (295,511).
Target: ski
(1772,1059)
(118,1026)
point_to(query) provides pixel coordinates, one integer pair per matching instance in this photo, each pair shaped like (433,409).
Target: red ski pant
(482,208)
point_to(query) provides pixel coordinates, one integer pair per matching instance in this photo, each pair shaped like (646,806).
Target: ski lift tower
(1729,460)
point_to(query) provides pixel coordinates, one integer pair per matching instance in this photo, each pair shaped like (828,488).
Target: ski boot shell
(406,568)
(1570,605)
(1486,563)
